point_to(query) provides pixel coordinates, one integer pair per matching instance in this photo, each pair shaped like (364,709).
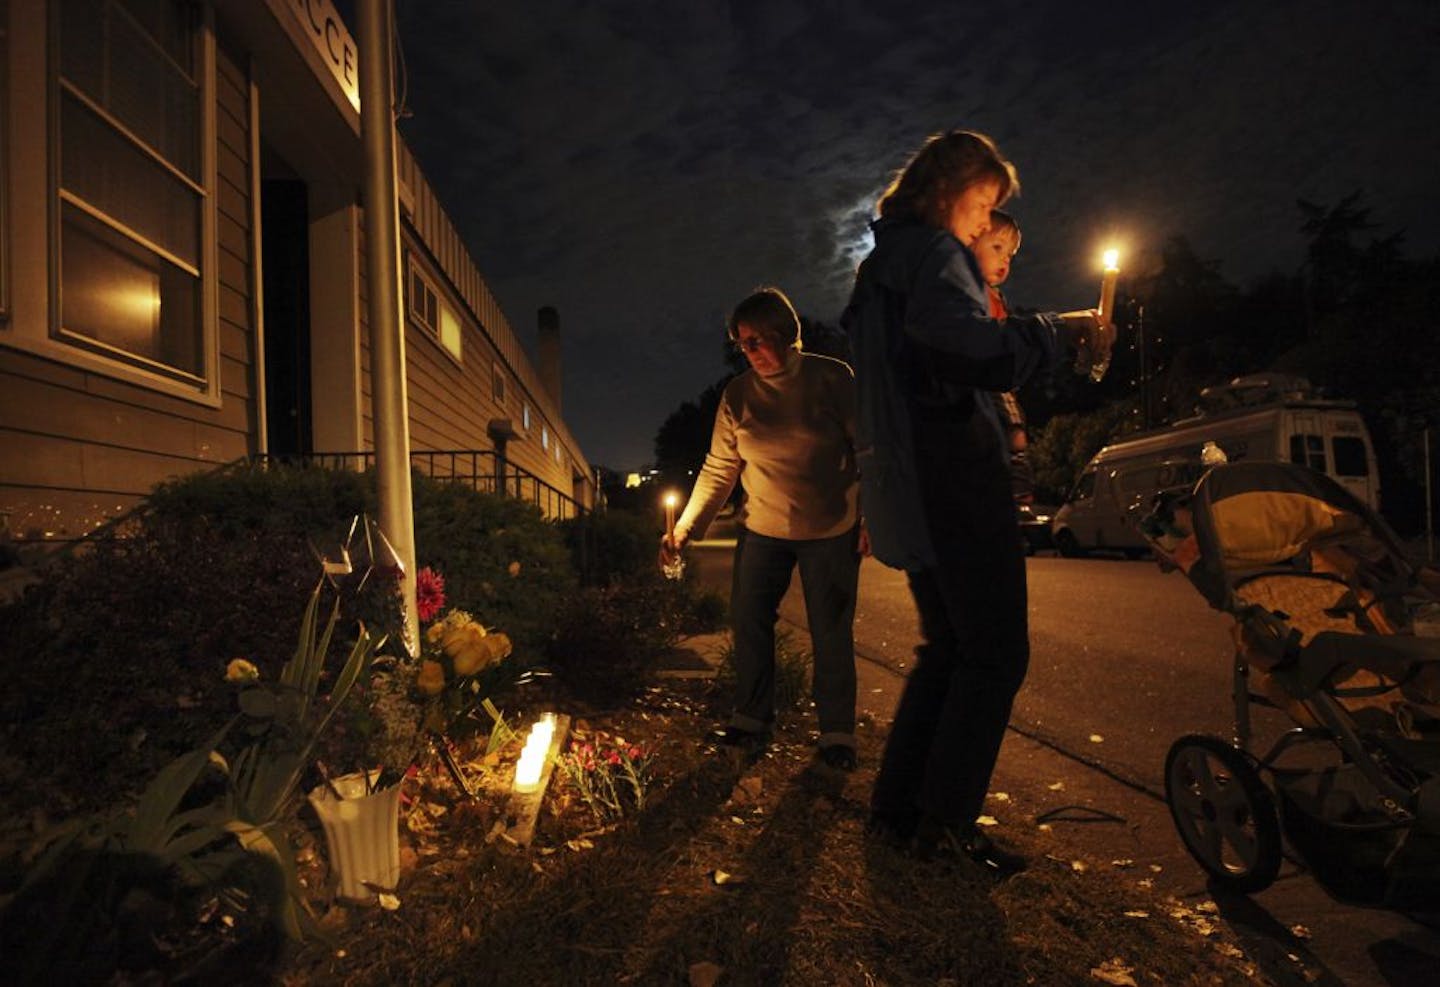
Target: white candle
(1107,285)
(670,501)
(532,757)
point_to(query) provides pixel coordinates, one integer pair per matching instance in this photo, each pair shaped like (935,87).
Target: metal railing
(479,469)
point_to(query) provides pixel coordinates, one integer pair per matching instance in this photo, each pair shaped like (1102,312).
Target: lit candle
(532,756)
(670,501)
(1107,285)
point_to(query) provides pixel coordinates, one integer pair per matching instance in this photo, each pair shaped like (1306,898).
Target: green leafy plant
(207,827)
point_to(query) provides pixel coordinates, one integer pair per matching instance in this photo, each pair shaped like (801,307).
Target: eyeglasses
(749,344)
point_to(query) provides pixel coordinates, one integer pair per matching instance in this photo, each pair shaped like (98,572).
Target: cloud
(642,166)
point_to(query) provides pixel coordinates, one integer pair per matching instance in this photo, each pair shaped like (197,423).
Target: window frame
(436,329)
(1312,451)
(497,383)
(54,340)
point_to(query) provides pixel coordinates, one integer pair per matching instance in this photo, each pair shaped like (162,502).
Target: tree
(684,436)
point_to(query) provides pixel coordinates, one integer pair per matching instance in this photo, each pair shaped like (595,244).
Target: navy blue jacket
(924,347)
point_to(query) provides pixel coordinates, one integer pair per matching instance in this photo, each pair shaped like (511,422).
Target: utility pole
(390,404)
(1144,366)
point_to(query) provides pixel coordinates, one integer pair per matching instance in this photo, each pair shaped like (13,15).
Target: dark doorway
(285,222)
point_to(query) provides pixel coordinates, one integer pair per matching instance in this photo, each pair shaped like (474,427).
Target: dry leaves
(1114,971)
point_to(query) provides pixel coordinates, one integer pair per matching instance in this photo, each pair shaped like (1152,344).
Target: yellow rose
(240,670)
(457,635)
(431,678)
(501,646)
(470,650)
(435,632)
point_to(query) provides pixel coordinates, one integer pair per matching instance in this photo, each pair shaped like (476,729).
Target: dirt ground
(732,874)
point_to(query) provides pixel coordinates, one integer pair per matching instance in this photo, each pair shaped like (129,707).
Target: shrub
(610,545)
(113,656)
(501,559)
(116,657)
(608,638)
(706,613)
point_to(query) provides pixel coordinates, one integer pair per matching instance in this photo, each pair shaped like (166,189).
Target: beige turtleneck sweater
(789,440)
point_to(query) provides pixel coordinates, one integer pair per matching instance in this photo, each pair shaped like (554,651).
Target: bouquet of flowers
(406,703)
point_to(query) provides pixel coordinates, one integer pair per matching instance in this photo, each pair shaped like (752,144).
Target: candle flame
(671,499)
(1111,259)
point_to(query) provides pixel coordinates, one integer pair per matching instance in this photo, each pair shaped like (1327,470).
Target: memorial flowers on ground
(612,780)
(410,702)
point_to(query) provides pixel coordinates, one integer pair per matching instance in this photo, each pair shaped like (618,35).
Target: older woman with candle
(785,432)
(936,483)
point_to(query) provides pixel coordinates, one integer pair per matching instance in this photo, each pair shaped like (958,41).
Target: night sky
(643,166)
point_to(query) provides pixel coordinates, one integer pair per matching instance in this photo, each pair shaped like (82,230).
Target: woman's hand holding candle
(671,544)
(1093,338)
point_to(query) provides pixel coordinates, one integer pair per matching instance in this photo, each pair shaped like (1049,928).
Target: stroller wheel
(1224,812)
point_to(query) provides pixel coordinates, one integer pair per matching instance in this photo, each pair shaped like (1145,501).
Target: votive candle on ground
(532,756)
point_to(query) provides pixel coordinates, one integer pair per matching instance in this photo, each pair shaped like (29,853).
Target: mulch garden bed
(732,874)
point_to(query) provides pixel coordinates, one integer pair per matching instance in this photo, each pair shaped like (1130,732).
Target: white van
(1265,418)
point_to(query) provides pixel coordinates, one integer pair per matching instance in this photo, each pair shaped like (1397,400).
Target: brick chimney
(549,353)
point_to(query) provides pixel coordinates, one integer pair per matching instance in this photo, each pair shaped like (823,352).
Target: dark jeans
(829,572)
(975,649)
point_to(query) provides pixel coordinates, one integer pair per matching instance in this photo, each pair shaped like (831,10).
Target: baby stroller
(1336,628)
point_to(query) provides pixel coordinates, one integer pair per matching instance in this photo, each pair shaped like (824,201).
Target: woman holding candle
(785,432)
(936,482)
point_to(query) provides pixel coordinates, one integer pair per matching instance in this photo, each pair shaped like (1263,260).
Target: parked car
(1260,422)
(1035,526)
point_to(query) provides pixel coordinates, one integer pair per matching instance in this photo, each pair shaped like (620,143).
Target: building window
(423,303)
(131,184)
(544,436)
(431,313)
(497,383)
(449,331)
(4,158)
(525,416)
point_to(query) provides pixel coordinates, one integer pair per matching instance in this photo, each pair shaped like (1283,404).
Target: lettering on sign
(329,36)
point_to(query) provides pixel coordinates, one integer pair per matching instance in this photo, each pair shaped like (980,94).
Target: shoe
(745,745)
(838,756)
(983,850)
(937,841)
(893,826)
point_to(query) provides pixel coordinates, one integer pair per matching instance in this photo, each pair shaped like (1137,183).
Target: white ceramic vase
(363,834)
